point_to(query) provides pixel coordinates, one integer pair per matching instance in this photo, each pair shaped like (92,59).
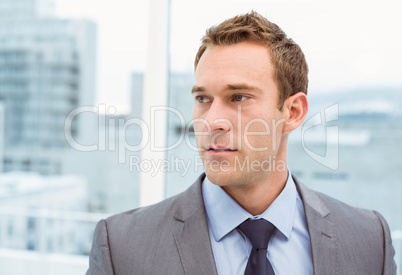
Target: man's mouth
(217,149)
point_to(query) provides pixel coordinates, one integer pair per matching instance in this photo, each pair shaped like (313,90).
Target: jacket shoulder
(137,239)
(362,236)
(347,211)
(332,208)
(159,215)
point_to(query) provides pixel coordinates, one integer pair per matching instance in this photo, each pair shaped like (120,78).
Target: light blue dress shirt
(289,250)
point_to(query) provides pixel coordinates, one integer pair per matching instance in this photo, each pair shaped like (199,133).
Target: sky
(347,43)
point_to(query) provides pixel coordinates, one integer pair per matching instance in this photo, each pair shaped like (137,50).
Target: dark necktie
(259,232)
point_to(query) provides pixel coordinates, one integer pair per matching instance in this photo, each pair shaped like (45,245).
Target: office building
(44,213)
(47,69)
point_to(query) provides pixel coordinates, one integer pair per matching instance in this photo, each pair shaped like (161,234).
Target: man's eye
(239,97)
(202,99)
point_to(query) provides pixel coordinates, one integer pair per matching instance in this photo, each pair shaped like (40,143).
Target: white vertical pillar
(155,95)
(2,135)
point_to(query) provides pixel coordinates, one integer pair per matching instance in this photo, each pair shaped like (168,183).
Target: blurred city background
(77,77)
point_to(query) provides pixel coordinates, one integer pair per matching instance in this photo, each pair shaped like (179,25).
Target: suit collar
(322,232)
(190,201)
(311,198)
(191,234)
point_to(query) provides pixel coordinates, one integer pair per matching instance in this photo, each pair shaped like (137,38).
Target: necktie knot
(259,232)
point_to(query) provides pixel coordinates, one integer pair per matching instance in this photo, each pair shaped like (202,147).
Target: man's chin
(221,178)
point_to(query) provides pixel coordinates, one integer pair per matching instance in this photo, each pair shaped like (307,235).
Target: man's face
(237,122)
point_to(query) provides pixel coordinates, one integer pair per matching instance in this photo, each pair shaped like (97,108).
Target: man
(249,94)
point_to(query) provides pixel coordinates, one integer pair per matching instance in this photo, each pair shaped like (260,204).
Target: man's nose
(218,117)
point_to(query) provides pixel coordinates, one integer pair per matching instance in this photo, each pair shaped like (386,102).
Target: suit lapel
(322,232)
(191,234)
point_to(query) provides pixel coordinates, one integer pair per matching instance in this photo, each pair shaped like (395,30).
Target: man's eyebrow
(240,86)
(196,89)
(229,87)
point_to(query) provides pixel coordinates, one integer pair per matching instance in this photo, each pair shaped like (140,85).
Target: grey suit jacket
(172,237)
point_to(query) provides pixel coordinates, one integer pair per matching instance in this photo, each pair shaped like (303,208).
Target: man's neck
(257,197)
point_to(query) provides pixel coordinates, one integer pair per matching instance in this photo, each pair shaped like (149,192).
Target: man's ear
(295,110)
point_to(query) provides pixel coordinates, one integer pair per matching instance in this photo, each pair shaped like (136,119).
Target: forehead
(240,62)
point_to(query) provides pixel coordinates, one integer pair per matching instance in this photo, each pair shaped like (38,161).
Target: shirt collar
(225,214)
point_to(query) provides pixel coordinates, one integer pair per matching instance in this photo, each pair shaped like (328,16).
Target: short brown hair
(290,66)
